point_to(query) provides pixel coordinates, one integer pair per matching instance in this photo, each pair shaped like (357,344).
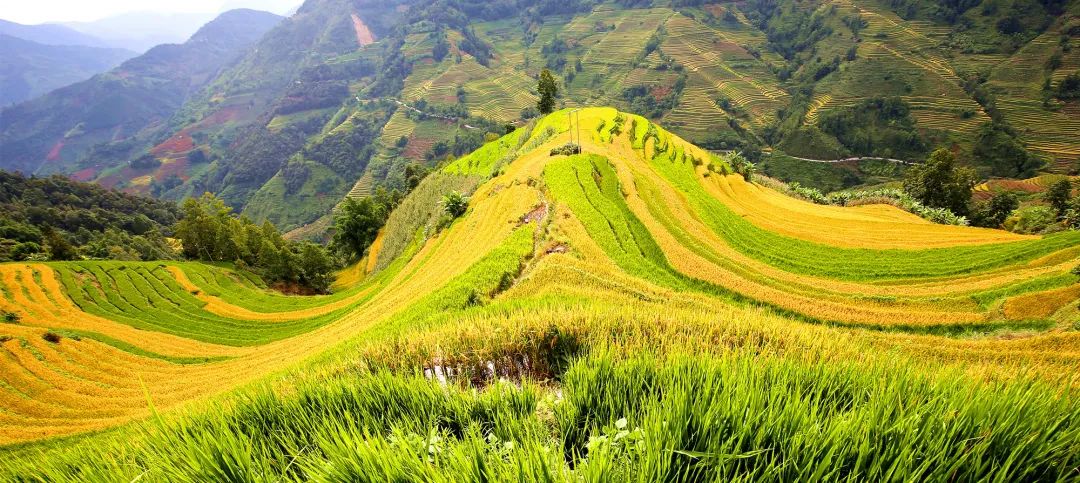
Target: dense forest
(55,218)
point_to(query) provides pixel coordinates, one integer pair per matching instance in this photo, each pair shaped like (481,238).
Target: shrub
(11,317)
(455,204)
(1031,220)
(566,150)
(894,197)
(52,337)
(742,166)
(1058,196)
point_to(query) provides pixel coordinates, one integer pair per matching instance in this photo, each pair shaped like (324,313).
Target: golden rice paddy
(631,251)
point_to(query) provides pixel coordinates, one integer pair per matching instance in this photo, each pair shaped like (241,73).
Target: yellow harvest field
(703,287)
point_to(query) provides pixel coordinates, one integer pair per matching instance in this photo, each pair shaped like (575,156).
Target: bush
(10,317)
(742,166)
(146,162)
(52,337)
(1031,220)
(24,251)
(455,204)
(894,197)
(566,150)
(993,214)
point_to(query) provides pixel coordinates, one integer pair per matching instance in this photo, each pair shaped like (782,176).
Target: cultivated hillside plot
(665,318)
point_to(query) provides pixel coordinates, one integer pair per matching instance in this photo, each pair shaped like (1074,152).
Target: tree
(201,229)
(356,225)
(993,214)
(1058,196)
(414,174)
(197,156)
(998,147)
(1069,87)
(548,90)
(60,249)
(315,266)
(938,183)
(455,204)
(209,231)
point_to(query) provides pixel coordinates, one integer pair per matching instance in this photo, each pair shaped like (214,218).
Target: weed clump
(567,149)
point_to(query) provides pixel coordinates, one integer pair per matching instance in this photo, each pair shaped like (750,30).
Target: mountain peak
(241,23)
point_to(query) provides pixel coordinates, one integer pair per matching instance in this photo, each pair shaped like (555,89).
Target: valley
(548,240)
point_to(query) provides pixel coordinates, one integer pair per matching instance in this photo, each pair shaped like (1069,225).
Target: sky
(46,11)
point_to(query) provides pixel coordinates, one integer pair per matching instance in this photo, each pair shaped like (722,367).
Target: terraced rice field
(640,244)
(718,66)
(903,58)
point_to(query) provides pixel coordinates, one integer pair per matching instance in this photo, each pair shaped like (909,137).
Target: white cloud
(41,11)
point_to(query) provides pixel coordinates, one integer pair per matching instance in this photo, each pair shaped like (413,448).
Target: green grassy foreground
(643,418)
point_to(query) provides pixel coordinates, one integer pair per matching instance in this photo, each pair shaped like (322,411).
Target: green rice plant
(146,296)
(643,418)
(818,259)
(419,213)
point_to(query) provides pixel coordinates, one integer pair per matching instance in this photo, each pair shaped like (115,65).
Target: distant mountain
(30,69)
(141,31)
(50,34)
(57,132)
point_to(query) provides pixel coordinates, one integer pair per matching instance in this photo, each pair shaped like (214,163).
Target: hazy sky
(41,11)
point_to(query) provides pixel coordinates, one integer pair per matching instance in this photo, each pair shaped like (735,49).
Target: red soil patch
(660,92)
(85,175)
(726,47)
(418,147)
(180,143)
(221,116)
(717,11)
(363,33)
(536,215)
(114,179)
(1014,185)
(177,167)
(54,153)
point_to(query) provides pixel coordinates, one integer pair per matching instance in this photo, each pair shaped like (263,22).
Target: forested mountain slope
(345,95)
(98,125)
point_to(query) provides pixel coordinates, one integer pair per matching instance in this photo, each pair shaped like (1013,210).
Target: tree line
(55,218)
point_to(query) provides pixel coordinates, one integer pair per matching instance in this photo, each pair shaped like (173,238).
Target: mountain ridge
(31,69)
(122,103)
